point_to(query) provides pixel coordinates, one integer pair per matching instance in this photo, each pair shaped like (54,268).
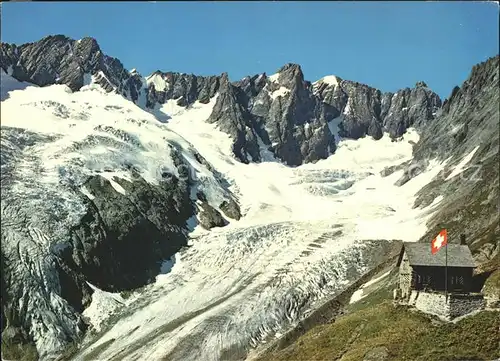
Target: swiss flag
(440,240)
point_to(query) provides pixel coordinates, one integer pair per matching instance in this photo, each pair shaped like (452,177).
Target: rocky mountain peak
(287,115)
(224,79)
(483,75)
(58,59)
(290,67)
(89,43)
(290,75)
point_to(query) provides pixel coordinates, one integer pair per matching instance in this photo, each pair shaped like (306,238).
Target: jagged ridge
(284,114)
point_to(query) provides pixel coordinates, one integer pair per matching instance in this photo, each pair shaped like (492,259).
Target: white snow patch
(9,85)
(331,80)
(85,191)
(282,91)
(160,83)
(191,223)
(347,108)
(359,293)
(274,78)
(356,296)
(375,280)
(167,265)
(461,166)
(24,110)
(114,184)
(102,306)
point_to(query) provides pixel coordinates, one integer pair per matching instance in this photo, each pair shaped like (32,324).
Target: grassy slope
(405,335)
(374,323)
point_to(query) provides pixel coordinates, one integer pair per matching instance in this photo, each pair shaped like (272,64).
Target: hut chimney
(462,239)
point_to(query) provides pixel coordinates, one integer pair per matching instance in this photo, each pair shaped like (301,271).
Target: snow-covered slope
(305,234)
(94,189)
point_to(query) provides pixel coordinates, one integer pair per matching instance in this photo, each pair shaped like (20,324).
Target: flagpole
(446,272)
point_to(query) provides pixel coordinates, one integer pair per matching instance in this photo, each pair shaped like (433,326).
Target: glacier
(305,233)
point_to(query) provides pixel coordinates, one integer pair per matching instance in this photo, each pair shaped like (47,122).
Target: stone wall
(464,304)
(456,306)
(405,275)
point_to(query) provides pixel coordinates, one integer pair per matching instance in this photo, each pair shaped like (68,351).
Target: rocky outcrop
(184,88)
(273,114)
(293,119)
(367,111)
(61,60)
(232,117)
(409,107)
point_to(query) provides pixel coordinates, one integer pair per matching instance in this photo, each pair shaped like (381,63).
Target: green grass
(404,333)
(377,293)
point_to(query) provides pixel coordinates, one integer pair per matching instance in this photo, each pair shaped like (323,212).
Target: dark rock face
(233,118)
(231,209)
(285,116)
(290,116)
(410,107)
(210,217)
(362,111)
(185,88)
(278,115)
(105,244)
(61,60)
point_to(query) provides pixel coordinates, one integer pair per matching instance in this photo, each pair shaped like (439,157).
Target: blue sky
(388,45)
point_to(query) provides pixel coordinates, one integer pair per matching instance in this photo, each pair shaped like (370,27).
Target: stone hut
(421,270)
(422,279)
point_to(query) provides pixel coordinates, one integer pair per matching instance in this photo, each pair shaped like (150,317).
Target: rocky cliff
(465,137)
